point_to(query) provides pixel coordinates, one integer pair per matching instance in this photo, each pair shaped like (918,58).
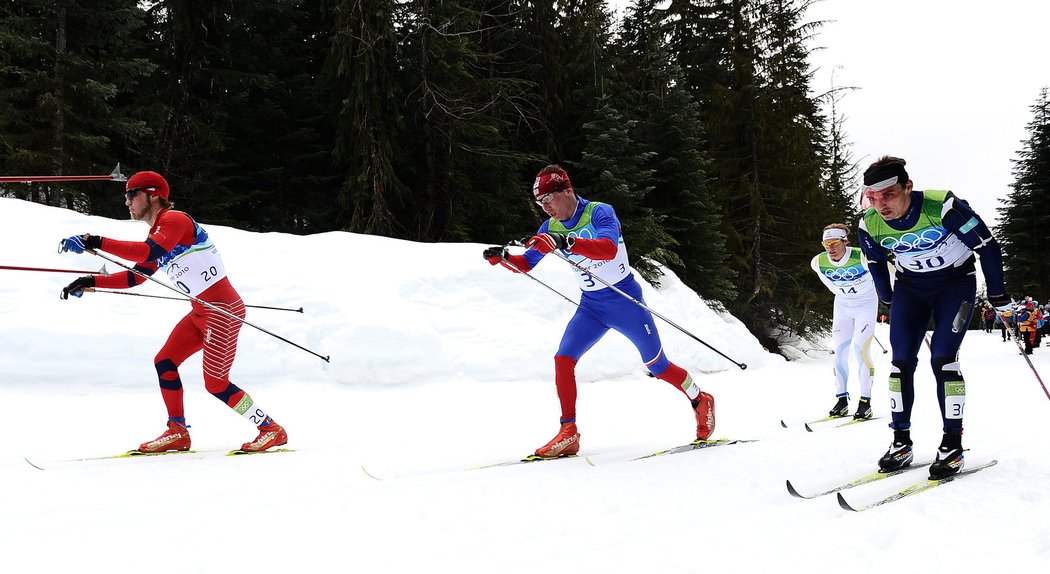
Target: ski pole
(1020,348)
(93,290)
(643,306)
(47,270)
(115,176)
(880,344)
(205,303)
(526,273)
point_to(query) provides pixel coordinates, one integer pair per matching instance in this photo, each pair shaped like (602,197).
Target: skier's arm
(880,272)
(960,219)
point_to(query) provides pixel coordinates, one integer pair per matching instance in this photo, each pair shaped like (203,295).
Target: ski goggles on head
(832,236)
(545,199)
(884,190)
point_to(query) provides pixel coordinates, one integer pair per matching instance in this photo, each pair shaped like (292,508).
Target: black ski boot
(900,453)
(863,409)
(949,457)
(841,408)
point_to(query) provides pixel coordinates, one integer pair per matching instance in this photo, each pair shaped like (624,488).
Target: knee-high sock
(170,388)
(681,380)
(565,381)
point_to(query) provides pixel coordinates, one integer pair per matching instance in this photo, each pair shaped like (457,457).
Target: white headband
(834,233)
(881,185)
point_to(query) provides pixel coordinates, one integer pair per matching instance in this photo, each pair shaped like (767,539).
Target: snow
(441,363)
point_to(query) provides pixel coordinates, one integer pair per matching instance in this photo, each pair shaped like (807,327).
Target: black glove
(495,251)
(76,288)
(495,254)
(1002,303)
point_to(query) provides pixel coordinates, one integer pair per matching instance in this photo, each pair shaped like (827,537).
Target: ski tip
(809,428)
(842,502)
(31,463)
(588,459)
(792,491)
(783,424)
(369,474)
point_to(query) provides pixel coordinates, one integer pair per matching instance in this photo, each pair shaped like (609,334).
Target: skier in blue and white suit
(588,233)
(933,236)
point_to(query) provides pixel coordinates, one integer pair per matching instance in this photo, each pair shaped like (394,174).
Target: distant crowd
(1027,323)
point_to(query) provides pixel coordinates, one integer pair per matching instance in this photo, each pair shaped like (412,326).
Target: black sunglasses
(131,193)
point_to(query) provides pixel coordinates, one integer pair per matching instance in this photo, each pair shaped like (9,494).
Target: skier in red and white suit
(181,247)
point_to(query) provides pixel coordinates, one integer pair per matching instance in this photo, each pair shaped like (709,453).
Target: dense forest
(427,120)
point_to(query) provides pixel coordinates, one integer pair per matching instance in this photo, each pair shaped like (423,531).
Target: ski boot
(704,407)
(271,434)
(176,437)
(841,408)
(566,443)
(900,453)
(863,409)
(949,457)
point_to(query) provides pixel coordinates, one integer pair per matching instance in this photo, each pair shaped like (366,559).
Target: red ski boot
(177,437)
(705,416)
(565,444)
(271,434)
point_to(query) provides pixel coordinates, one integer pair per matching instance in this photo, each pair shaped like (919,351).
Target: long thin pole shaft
(526,273)
(48,270)
(93,290)
(644,306)
(115,176)
(880,344)
(1021,349)
(205,303)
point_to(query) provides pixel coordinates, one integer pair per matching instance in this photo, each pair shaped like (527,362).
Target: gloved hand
(1002,303)
(547,242)
(495,254)
(76,288)
(79,243)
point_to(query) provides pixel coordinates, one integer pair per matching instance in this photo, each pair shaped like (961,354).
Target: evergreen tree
(363,71)
(1024,218)
(668,124)
(65,66)
(749,70)
(463,101)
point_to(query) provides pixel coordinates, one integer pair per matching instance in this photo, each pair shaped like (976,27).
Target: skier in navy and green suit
(932,236)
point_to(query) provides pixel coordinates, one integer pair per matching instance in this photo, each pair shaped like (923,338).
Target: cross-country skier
(933,236)
(844,271)
(182,248)
(588,233)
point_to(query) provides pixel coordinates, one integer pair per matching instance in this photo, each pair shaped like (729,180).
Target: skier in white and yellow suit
(844,270)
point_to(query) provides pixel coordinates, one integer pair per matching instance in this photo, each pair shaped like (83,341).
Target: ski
(845,424)
(696,445)
(530,459)
(823,420)
(239,452)
(141,454)
(914,488)
(866,479)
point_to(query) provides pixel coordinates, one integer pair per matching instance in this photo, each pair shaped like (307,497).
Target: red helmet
(150,182)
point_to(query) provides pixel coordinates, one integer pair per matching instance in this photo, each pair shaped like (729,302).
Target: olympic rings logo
(913,242)
(844,274)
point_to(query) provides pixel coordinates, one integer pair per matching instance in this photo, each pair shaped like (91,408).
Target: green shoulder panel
(585,220)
